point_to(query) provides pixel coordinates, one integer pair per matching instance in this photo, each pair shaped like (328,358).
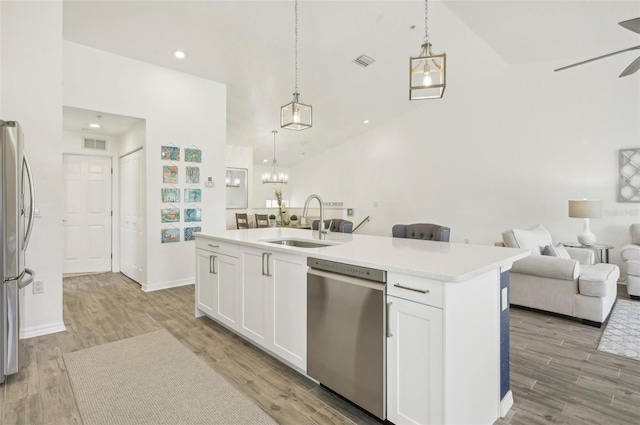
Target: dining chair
(262,220)
(334,225)
(242,221)
(424,231)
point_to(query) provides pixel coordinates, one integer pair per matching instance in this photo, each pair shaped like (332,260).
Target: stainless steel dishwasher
(346,328)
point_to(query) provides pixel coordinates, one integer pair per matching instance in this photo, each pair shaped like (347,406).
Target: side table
(603,248)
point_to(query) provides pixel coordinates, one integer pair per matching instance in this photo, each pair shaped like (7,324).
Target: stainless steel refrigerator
(15,230)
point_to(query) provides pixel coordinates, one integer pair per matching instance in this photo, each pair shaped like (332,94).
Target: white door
(87,214)
(132,199)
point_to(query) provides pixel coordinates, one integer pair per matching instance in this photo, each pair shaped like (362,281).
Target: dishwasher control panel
(348,270)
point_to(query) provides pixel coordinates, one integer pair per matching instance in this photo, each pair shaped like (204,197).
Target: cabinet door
(254,296)
(289,308)
(227,308)
(205,281)
(414,363)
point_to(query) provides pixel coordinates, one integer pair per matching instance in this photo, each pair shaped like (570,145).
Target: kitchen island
(446,349)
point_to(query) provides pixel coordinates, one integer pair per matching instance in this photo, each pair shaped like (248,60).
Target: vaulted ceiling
(249,45)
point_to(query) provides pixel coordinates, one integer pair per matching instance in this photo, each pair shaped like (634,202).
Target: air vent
(100,145)
(364,60)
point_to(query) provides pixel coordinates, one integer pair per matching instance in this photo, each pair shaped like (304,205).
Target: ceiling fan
(631,25)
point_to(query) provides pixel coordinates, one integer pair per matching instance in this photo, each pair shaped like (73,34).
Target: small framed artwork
(193,195)
(189,232)
(236,190)
(169,174)
(192,155)
(192,214)
(170,234)
(170,215)
(193,175)
(170,153)
(629,180)
(170,195)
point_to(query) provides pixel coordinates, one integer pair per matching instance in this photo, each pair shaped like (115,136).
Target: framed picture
(169,235)
(170,195)
(192,214)
(170,153)
(193,175)
(237,193)
(169,174)
(192,155)
(192,195)
(629,181)
(189,232)
(170,215)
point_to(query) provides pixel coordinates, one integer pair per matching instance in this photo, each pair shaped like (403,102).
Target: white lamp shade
(585,208)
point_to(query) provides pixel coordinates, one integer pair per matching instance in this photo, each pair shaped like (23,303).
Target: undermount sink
(298,243)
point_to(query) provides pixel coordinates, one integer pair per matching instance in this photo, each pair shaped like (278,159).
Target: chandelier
(427,72)
(275,175)
(296,115)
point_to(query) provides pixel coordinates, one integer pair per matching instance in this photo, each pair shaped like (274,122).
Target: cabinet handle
(212,264)
(422,291)
(389,334)
(268,256)
(213,246)
(263,255)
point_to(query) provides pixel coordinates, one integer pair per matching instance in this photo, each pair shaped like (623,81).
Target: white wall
(506,147)
(31,87)
(179,109)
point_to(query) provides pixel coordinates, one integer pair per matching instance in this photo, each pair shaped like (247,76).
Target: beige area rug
(622,334)
(153,379)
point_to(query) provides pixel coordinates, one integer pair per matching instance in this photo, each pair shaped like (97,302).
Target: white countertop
(444,261)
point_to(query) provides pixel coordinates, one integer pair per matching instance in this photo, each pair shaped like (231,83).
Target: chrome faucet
(321,231)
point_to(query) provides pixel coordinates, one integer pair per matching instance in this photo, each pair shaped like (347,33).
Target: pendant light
(296,115)
(275,176)
(427,72)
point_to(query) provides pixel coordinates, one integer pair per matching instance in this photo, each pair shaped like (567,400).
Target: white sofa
(565,281)
(630,253)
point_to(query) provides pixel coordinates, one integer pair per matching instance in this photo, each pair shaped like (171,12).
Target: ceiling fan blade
(631,25)
(633,67)
(597,58)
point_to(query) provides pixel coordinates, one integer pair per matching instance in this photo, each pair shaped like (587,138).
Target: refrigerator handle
(32,196)
(22,283)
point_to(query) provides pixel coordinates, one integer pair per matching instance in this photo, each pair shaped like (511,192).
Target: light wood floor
(557,376)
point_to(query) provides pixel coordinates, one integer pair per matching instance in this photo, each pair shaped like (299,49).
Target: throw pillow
(562,251)
(550,251)
(533,239)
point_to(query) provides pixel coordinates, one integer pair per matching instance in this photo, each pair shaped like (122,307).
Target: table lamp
(586,209)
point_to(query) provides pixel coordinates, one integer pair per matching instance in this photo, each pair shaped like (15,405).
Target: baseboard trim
(42,330)
(150,287)
(506,403)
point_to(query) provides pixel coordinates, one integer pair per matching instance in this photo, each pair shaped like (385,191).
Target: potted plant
(272,220)
(294,220)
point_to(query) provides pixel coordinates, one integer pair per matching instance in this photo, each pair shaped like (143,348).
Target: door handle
(263,255)
(212,264)
(422,291)
(268,256)
(389,334)
(22,283)
(32,195)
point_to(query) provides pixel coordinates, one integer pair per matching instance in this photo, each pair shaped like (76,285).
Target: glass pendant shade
(274,175)
(296,115)
(427,74)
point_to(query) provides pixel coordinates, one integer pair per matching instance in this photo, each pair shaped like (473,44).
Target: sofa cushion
(596,280)
(630,252)
(633,268)
(533,239)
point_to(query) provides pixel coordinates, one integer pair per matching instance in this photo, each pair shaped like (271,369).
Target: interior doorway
(87,213)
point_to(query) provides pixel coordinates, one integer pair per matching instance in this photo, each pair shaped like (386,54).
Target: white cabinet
(274,303)
(217,282)
(414,363)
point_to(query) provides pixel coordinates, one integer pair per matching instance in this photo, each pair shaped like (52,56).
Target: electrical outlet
(38,286)
(350,212)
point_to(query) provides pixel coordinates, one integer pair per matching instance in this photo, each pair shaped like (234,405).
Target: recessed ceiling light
(365,122)
(179,54)
(265,160)
(94,125)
